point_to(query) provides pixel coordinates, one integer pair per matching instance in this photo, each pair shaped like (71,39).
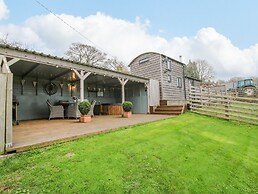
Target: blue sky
(223,32)
(236,19)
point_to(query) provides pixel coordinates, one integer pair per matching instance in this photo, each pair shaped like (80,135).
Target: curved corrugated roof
(152,52)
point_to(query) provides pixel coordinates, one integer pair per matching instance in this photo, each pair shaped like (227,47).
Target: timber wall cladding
(32,106)
(149,65)
(29,89)
(137,94)
(170,89)
(148,69)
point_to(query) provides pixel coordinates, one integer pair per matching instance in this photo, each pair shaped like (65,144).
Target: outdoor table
(65,104)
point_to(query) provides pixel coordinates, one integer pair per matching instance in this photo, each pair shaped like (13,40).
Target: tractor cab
(245,83)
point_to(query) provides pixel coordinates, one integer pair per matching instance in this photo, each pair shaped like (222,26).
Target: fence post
(209,96)
(201,97)
(190,97)
(226,107)
(192,93)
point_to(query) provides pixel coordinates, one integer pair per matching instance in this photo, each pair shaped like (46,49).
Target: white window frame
(192,82)
(169,78)
(179,82)
(144,60)
(168,65)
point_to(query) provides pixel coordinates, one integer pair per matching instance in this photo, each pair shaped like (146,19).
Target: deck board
(39,133)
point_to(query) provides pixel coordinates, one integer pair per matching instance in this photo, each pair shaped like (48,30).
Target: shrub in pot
(127,107)
(84,108)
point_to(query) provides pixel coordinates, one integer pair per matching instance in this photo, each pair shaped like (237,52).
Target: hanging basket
(50,88)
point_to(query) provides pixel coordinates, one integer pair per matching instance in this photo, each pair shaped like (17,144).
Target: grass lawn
(186,154)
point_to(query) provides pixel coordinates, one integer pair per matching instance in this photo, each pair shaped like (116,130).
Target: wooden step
(167,113)
(162,110)
(170,108)
(163,102)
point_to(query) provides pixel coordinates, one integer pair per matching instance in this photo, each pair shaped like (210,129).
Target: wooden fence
(218,104)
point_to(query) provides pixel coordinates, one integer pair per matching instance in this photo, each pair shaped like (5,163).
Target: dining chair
(55,111)
(73,111)
(91,112)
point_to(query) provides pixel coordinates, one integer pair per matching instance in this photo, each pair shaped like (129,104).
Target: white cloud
(4,12)
(126,40)
(24,35)
(227,59)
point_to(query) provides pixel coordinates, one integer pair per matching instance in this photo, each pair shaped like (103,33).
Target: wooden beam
(30,70)
(123,81)
(54,61)
(12,61)
(86,75)
(4,65)
(82,75)
(77,73)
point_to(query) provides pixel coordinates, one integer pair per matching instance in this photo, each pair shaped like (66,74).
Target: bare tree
(86,54)
(92,56)
(200,69)
(235,79)
(4,40)
(204,70)
(116,65)
(220,82)
(255,80)
(191,70)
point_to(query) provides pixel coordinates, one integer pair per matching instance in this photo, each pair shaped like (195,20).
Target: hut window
(192,82)
(179,82)
(168,64)
(169,78)
(144,60)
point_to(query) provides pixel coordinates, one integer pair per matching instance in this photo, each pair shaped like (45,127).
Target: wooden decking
(39,133)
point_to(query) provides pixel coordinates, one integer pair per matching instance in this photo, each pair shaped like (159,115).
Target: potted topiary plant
(127,107)
(84,108)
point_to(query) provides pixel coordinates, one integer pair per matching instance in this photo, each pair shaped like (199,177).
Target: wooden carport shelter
(13,55)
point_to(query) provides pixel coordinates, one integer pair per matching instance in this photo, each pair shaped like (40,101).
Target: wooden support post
(147,85)
(3,81)
(82,75)
(81,88)
(123,81)
(9,109)
(6,80)
(4,65)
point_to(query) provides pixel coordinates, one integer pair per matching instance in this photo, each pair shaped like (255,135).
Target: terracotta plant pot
(85,118)
(127,114)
